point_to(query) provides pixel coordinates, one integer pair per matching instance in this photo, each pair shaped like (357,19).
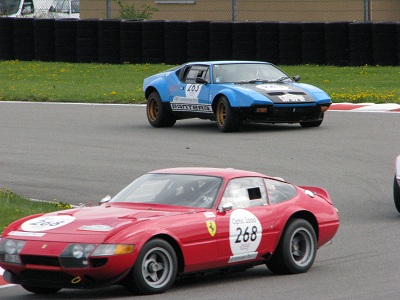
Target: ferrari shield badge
(212,227)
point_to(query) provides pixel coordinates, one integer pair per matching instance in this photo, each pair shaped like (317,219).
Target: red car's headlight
(10,249)
(79,255)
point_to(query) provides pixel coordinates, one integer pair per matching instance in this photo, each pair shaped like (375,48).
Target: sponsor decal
(185,100)
(292,98)
(272,87)
(46,223)
(242,257)
(209,214)
(23,233)
(96,228)
(191,107)
(245,232)
(212,227)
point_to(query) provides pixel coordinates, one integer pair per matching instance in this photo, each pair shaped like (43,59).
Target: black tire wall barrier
(384,44)
(267,41)
(313,43)
(176,42)
(87,41)
(131,42)
(23,39)
(109,41)
(198,41)
(221,41)
(6,39)
(153,42)
(360,44)
(290,44)
(43,36)
(336,43)
(244,41)
(65,40)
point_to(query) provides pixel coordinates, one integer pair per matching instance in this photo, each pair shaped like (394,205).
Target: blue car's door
(191,96)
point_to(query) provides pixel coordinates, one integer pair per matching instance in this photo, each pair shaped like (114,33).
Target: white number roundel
(46,223)
(245,232)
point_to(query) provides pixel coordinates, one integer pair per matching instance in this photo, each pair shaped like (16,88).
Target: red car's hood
(101,220)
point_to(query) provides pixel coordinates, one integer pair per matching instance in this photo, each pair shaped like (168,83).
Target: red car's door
(247,231)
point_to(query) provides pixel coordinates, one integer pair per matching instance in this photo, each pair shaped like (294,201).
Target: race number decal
(245,233)
(193,90)
(46,223)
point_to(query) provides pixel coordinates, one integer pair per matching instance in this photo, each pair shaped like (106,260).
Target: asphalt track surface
(80,153)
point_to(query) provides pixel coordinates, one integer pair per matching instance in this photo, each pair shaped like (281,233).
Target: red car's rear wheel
(297,249)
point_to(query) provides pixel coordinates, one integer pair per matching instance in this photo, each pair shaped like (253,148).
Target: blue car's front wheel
(228,120)
(157,114)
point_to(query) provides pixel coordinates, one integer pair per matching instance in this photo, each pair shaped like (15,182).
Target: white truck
(40,8)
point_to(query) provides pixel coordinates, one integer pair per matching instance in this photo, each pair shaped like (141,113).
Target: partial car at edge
(396,184)
(169,223)
(232,92)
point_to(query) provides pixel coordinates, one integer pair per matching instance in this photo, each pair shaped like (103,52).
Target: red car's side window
(245,192)
(279,191)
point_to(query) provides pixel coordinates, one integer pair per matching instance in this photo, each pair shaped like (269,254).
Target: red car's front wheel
(155,269)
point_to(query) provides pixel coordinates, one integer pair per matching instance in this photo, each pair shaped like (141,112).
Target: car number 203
(193,87)
(245,233)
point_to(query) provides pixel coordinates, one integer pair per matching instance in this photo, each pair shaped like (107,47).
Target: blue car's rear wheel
(396,194)
(228,120)
(157,114)
(155,269)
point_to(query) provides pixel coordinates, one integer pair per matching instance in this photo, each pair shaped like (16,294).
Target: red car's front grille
(40,260)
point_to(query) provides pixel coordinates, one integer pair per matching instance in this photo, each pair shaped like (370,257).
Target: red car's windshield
(172,189)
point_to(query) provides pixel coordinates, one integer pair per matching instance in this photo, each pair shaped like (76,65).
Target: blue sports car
(232,92)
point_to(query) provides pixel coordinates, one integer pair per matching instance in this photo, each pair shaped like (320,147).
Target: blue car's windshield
(172,189)
(247,72)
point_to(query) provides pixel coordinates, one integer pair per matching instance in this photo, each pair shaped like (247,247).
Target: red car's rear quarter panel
(324,213)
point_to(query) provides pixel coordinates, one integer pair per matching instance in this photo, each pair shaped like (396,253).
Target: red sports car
(168,223)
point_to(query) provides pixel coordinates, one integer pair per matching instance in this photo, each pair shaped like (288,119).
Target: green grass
(104,83)
(14,207)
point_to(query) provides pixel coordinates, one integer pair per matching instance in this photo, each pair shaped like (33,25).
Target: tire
(296,250)
(40,290)
(396,194)
(155,269)
(227,119)
(157,115)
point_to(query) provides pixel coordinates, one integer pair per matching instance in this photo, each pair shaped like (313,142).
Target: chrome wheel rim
(221,113)
(302,247)
(157,267)
(152,109)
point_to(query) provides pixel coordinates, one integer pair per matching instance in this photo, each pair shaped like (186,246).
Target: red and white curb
(365,107)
